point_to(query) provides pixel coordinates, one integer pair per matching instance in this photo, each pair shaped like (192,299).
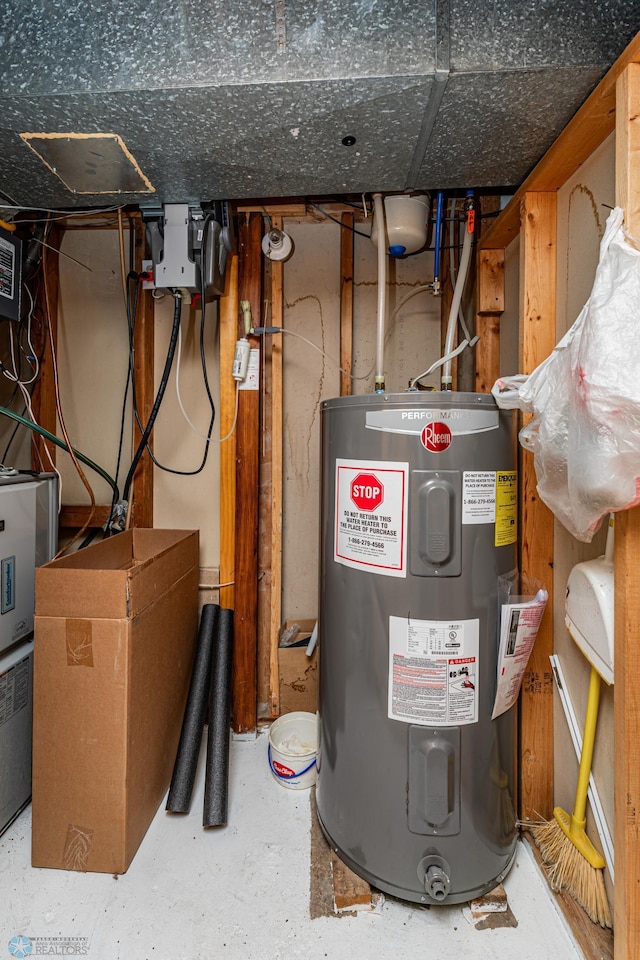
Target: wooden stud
(228,336)
(277,428)
(491,281)
(143,346)
(591,125)
(346,304)
(489,306)
(44,395)
(537,340)
(627,590)
(487,351)
(264,506)
(247,480)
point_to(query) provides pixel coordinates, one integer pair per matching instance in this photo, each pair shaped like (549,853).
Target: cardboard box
(115,632)
(298,672)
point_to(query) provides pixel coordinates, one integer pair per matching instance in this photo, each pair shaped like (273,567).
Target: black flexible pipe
(216,787)
(159,396)
(184,771)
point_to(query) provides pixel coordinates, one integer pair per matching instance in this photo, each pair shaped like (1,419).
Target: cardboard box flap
(116,578)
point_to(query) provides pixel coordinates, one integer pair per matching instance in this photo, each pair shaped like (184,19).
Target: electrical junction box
(10,274)
(189,246)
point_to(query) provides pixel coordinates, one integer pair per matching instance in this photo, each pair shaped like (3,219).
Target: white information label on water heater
(433,671)
(371,516)
(478,496)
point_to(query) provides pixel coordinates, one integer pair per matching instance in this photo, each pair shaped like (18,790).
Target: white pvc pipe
(378,206)
(455,306)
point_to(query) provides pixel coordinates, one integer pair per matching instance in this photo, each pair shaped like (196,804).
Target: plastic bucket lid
(293,742)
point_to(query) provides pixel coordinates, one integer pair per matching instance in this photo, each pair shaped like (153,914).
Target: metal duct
(216,99)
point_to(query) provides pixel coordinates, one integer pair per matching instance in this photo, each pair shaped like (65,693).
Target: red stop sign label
(367,492)
(436,437)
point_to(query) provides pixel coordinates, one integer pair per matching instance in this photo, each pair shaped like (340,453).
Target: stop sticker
(436,437)
(367,492)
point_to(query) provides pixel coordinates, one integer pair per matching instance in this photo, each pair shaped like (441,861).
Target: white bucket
(293,742)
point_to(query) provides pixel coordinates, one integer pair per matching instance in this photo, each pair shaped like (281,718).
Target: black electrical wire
(339,222)
(132,309)
(15,392)
(200,468)
(203,363)
(159,395)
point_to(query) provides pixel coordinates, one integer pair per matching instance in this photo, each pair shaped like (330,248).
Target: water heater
(419,527)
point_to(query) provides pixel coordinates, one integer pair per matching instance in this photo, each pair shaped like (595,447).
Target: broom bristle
(571,871)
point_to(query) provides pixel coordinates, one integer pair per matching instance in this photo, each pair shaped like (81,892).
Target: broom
(574,863)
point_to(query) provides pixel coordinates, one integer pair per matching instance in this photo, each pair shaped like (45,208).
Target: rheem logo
(436,437)
(367,492)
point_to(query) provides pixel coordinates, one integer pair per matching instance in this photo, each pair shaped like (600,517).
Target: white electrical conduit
(452,271)
(378,206)
(448,357)
(455,306)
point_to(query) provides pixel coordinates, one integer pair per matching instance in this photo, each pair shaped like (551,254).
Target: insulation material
(217,778)
(184,771)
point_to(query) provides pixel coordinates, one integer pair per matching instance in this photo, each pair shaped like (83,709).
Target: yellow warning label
(506,507)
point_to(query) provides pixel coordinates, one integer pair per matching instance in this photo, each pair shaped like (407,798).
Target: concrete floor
(242,893)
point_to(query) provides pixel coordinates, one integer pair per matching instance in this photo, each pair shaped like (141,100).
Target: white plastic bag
(585,398)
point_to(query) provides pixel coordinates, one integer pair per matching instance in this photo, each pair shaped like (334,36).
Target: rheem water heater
(419,526)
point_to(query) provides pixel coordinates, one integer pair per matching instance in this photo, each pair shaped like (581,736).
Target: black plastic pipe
(184,771)
(216,788)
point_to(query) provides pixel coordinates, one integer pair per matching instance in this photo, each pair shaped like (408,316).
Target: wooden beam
(537,339)
(228,336)
(247,479)
(143,346)
(296,209)
(591,125)
(76,515)
(627,590)
(277,428)
(346,304)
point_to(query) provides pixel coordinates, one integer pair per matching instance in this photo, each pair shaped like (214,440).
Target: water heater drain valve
(435,873)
